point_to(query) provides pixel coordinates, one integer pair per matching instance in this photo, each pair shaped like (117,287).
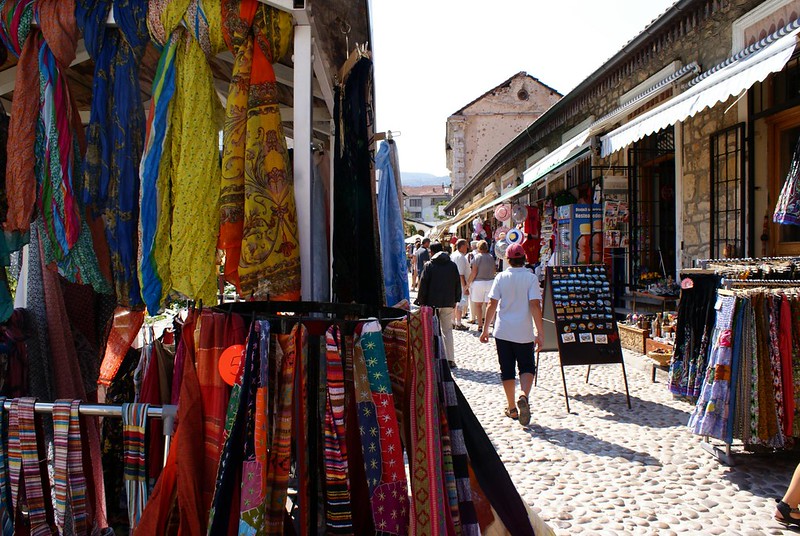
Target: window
(415,202)
(727,192)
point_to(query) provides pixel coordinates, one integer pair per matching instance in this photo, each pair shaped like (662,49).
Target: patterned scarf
(180,167)
(380,434)
(25,470)
(337,485)
(125,327)
(70,484)
(390,220)
(395,341)
(6,523)
(115,136)
(279,458)
(427,484)
(46,136)
(134,423)
(258,218)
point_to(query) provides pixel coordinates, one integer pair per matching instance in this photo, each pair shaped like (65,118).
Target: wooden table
(654,299)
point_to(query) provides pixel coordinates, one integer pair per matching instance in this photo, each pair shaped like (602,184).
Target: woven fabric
(337,486)
(395,342)
(180,166)
(125,327)
(134,424)
(70,484)
(785,336)
(380,434)
(109,184)
(6,523)
(279,459)
(26,476)
(427,484)
(258,215)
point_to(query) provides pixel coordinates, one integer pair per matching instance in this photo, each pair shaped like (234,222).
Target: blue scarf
(390,222)
(115,136)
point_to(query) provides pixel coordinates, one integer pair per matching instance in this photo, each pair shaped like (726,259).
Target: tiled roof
(424,191)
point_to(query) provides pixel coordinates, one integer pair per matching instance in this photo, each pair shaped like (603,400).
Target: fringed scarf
(425,450)
(109,184)
(258,217)
(338,507)
(70,484)
(180,167)
(134,424)
(380,434)
(46,136)
(6,524)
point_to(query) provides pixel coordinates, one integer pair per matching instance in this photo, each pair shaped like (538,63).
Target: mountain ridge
(423,179)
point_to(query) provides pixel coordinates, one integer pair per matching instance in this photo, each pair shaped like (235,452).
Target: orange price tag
(230,362)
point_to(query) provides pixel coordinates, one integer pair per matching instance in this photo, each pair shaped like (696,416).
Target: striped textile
(6,523)
(26,477)
(447,396)
(337,486)
(427,483)
(380,434)
(395,341)
(70,483)
(279,458)
(134,423)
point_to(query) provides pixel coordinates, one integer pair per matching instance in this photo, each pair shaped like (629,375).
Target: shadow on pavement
(588,444)
(487,377)
(757,473)
(643,412)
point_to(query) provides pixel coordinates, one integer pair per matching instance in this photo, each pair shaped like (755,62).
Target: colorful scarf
(46,136)
(24,469)
(380,434)
(390,220)
(6,522)
(395,341)
(134,424)
(115,136)
(70,484)
(337,486)
(180,168)
(258,217)
(125,327)
(427,483)
(293,347)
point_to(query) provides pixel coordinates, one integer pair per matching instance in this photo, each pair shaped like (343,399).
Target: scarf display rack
(726,371)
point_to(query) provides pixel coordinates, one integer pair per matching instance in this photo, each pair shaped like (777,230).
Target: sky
(432,57)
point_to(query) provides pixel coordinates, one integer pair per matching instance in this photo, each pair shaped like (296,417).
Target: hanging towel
(109,183)
(258,216)
(70,484)
(390,220)
(180,168)
(46,137)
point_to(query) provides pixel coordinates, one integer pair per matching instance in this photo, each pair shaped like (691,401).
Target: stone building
(692,126)
(481,128)
(422,203)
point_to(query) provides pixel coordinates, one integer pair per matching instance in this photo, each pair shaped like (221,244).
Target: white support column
(303,124)
(679,202)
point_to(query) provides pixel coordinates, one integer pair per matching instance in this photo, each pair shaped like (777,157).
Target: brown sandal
(511,413)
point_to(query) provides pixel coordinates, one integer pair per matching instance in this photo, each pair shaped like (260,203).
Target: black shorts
(510,354)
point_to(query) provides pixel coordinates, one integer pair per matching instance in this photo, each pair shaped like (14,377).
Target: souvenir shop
(189,340)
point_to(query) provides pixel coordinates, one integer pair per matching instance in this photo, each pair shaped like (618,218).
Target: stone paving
(605,469)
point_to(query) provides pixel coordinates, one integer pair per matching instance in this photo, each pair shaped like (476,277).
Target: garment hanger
(359,52)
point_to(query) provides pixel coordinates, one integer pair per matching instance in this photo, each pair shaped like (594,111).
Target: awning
(570,150)
(718,86)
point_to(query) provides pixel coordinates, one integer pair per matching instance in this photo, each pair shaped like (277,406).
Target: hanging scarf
(6,524)
(258,217)
(337,486)
(25,471)
(180,168)
(109,184)
(279,458)
(134,423)
(390,220)
(425,456)
(70,484)
(46,136)
(380,434)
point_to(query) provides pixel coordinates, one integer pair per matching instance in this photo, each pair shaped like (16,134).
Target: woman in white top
(480,280)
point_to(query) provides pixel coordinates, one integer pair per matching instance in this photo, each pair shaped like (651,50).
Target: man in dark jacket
(440,288)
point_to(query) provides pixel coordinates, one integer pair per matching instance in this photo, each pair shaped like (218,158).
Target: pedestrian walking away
(460,259)
(516,298)
(440,288)
(421,256)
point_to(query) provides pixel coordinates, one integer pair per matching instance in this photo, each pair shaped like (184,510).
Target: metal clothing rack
(166,413)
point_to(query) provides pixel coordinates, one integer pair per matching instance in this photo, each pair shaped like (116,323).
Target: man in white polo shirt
(517,299)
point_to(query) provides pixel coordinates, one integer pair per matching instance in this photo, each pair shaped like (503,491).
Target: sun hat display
(519,213)
(502,212)
(515,236)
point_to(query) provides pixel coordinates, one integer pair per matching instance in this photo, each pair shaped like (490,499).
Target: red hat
(515,251)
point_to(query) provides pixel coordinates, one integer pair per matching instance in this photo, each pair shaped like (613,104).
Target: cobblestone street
(606,469)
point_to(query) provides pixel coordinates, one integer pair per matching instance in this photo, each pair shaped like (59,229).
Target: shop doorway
(652,203)
(784,134)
